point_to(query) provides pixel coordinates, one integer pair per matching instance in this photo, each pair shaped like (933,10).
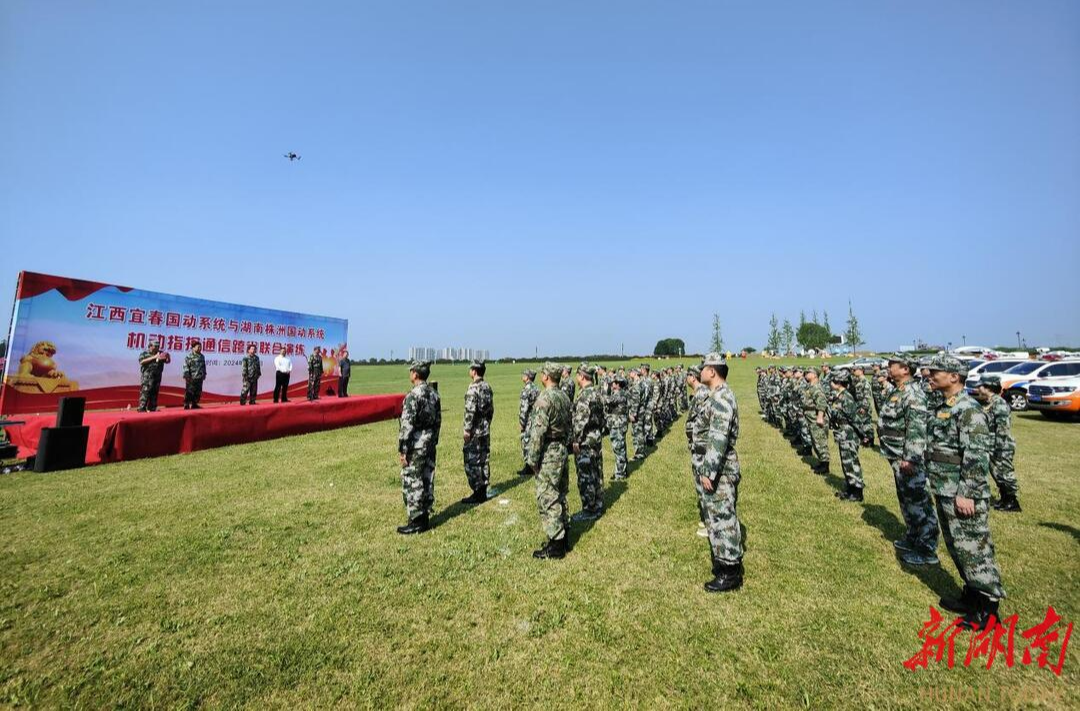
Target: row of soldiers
(566,419)
(152,363)
(942,444)
(595,403)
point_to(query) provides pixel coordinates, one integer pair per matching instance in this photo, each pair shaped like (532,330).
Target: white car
(1015,380)
(1056,398)
(990,366)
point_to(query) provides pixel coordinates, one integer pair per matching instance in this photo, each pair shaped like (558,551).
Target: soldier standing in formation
(716,465)
(694,434)
(549,441)
(616,412)
(151,364)
(1003,446)
(902,437)
(587,443)
(250,370)
(194,374)
(815,409)
(314,373)
(864,404)
(848,434)
(479,411)
(636,400)
(566,383)
(529,393)
(958,464)
(418,439)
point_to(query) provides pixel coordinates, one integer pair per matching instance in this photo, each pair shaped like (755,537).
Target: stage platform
(122,435)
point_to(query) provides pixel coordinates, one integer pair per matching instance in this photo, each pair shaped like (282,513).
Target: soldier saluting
(151,364)
(418,438)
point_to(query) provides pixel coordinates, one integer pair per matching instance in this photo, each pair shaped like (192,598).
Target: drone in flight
(292,156)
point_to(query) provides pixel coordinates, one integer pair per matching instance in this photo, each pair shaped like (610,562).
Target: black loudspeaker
(70,412)
(61,448)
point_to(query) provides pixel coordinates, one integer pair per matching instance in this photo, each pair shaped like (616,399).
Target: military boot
(477,497)
(979,614)
(552,549)
(845,494)
(417,525)
(854,494)
(1008,502)
(727,577)
(821,468)
(960,605)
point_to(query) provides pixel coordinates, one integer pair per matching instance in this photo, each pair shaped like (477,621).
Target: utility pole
(622,350)
(1018,343)
(964,339)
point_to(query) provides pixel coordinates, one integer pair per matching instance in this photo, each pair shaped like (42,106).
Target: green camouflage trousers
(590,479)
(552,483)
(640,431)
(916,508)
(148,392)
(1001,469)
(819,439)
(477,453)
(313,383)
(192,392)
(249,390)
(618,446)
(970,547)
(418,485)
(848,444)
(721,520)
(525,443)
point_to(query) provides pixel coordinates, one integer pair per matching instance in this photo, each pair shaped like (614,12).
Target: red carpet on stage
(124,435)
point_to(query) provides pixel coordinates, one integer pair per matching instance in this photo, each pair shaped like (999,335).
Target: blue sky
(567,177)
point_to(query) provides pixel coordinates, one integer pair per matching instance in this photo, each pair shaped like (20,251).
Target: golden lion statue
(38,372)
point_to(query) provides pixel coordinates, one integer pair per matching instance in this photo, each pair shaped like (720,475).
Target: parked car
(989,366)
(865,363)
(1057,398)
(1015,380)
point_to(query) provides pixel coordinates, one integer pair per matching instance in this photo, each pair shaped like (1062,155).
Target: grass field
(270,574)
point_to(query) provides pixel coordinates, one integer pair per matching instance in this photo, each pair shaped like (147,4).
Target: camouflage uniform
(314,377)
(194,373)
(651,409)
(588,438)
(418,439)
(616,411)
(958,464)
(529,393)
(714,457)
(695,433)
(860,391)
(549,441)
(813,402)
(567,384)
(1003,446)
(902,436)
(150,381)
(479,411)
(250,370)
(847,431)
(638,399)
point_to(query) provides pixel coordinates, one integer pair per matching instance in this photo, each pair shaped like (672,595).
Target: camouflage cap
(419,364)
(589,371)
(948,364)
(842,376)
(812,369)
(990,380)
(529,372)
(694,370)
(911,362)
(552,370)
(713,359)
(644,366)
(621,380)
(477,363)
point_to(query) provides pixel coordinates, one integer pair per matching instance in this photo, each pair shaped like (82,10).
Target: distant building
(448,354)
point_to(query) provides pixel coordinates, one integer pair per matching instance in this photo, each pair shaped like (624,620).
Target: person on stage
(250,372)
(282,373)
(151,364)
(346,371)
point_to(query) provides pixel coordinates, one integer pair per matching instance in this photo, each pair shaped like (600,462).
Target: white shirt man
(282,371)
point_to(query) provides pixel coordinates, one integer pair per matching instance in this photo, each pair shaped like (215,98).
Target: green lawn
(270,574)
